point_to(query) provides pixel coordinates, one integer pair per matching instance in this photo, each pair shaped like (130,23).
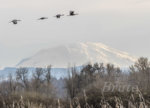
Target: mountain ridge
(78,54)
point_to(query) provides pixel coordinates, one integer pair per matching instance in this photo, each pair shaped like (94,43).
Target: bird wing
(10,21)
(71,12)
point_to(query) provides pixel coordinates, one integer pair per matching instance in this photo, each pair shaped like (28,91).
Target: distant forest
(96,85)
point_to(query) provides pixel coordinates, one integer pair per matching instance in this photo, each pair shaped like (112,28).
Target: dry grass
(135,100)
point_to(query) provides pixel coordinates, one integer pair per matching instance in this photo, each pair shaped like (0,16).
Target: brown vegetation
(85,88)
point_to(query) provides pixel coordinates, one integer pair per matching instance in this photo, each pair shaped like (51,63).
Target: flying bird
(42,18)
(15,21)
(59,15)
(72,13)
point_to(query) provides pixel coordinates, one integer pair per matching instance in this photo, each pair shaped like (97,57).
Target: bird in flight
(15,21)
(72,13)
(59,15)
(42,18)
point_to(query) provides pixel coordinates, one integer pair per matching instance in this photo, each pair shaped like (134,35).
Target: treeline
(37,82)
(128,88)
(84,88)
(97,74)
(89,75)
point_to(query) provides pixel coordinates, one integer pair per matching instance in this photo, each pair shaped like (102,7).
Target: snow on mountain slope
(78,54)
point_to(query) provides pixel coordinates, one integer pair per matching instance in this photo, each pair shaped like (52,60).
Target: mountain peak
(78,54)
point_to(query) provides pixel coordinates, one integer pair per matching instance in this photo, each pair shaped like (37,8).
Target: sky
(121,24)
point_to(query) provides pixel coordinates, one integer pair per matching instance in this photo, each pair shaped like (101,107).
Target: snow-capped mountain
(78,54)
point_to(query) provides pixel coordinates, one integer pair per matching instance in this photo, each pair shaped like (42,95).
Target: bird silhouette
(72,13)
(42,18)
(15,21)
(59,15)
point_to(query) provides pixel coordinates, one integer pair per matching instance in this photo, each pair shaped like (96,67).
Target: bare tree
(12,85)
(22,77)
(48,80)
(70,82)
(141,71)
(48,74)
(38,78)
(110,69)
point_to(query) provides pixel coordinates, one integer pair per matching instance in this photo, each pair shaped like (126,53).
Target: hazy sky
(121,24)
